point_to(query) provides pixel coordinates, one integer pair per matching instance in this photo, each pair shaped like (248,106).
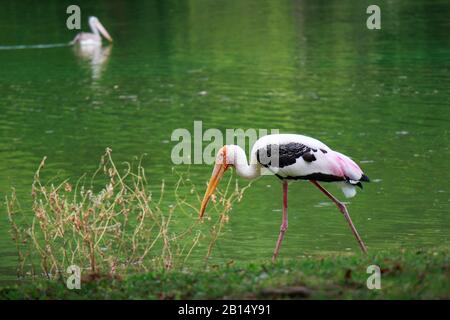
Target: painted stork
(92,38)
(291,157)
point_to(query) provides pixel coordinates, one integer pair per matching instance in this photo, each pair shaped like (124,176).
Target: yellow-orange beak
(217,174)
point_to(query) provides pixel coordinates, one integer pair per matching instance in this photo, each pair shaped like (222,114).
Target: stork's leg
(344,211)
(284,223)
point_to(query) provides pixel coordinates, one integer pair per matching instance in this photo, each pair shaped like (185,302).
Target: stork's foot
(283,229)
(284,222)
(343,208)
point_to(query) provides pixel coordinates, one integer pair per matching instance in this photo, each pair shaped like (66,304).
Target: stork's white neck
(236,157)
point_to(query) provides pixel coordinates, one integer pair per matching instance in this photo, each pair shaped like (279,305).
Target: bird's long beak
(217,174)
(103,31)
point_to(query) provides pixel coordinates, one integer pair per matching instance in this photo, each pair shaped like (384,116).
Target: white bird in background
(291,157)
(92,38)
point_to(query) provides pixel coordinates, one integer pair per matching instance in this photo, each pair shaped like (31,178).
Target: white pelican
(92,38)
(291,157)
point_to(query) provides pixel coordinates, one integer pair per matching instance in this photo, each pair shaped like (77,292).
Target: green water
(380,96)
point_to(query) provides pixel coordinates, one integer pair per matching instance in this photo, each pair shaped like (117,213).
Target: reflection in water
(96,56)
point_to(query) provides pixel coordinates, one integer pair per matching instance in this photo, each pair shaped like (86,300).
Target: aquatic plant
(112,223)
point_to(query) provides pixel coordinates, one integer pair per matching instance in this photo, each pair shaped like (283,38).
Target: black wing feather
(287,154)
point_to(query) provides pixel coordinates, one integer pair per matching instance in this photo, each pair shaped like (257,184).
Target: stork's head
(95,24)
(223,161)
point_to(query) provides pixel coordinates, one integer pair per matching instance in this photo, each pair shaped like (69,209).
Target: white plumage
(92,38)
(327,162)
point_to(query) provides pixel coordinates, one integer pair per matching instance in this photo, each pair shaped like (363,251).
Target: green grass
(406,274)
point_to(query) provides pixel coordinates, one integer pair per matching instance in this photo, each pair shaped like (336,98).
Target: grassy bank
(406,274)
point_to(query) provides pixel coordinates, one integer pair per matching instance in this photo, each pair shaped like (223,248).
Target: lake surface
(380,96)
